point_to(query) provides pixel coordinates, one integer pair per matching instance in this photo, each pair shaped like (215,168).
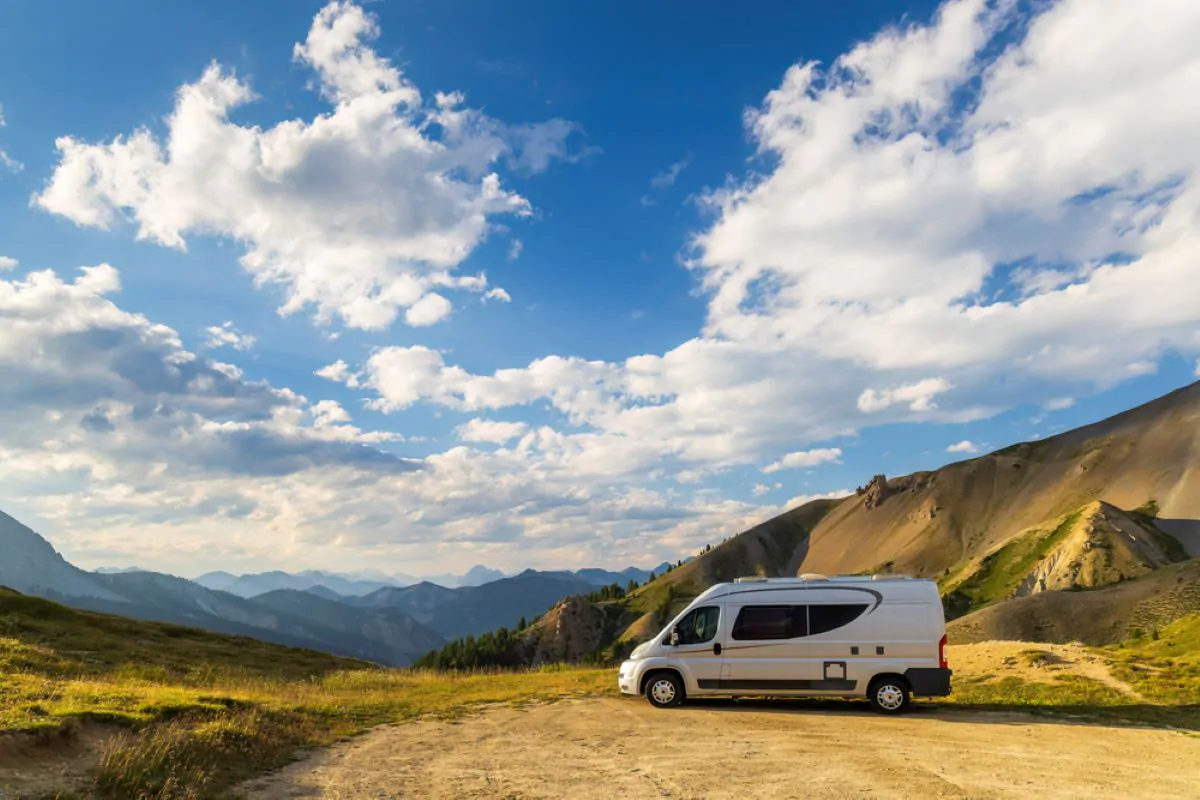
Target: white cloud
(760,489)
(484,430)
(800,500)
(496,294)
(997,270)
(514,250)
(1197,370)
(1029,233)
(668,176)
(918,396)
(429,310)
(965,446)
(226,335)
(358,213)
(804,458)
(1059,403)
(10,163)
(121,443)
(7,263)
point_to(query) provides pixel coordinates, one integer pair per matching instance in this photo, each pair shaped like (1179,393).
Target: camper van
(882,637)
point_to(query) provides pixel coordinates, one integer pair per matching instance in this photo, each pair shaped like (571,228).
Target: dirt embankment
(624,748)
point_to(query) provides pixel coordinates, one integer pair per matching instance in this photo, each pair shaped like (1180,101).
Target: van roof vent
(891,577)
(750,579)
(814,576)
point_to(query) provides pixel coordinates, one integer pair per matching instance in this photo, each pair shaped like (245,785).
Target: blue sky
(706,282)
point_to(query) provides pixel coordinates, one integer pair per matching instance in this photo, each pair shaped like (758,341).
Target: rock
(875,492)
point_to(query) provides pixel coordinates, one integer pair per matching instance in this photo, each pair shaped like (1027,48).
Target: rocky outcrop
(570,632)
(874,493)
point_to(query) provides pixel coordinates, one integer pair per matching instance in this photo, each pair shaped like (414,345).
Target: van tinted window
(825,618)
(763,622)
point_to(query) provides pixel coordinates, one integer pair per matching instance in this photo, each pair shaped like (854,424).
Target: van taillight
(942,652)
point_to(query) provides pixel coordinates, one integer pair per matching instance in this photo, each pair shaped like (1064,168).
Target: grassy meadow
(200,712)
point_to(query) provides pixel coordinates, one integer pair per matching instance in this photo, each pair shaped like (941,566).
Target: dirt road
(623,748)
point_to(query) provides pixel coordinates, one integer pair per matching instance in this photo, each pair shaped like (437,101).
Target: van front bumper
(627,678)
(929,681)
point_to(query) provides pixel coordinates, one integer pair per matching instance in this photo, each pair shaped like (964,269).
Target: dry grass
(198,712)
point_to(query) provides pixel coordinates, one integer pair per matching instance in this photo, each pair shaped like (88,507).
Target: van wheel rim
(890,696)
(663,691)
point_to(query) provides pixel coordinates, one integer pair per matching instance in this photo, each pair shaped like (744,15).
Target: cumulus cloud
(111,428)
(759,489)
(514,250)
(917,396)
(497,294)
(358,213)
(802,499)
(484,430)
(1028,233)
(804,458)
(7,263)
(965,446)
(226,335)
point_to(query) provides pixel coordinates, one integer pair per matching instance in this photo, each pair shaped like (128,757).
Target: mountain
(941,523)
(328,594)
(384,635)
(604,577)
(503,603)
(31,566)
(1077,532)
(418,600)
(1100,616)
(260,583)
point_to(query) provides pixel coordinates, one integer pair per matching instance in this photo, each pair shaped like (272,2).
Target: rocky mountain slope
(1099,616)
(1035,528)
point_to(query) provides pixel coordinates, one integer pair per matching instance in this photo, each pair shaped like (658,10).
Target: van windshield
(698,625)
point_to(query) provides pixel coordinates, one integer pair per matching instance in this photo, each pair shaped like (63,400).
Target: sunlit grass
(201,712)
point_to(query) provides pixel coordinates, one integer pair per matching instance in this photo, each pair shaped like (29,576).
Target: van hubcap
(663,691)
(890,696)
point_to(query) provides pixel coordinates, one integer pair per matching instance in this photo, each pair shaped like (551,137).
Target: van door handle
(717,649)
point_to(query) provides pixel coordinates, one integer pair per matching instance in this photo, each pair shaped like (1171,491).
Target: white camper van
(878,636)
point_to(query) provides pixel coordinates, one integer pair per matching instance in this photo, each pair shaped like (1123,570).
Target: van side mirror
(673,638)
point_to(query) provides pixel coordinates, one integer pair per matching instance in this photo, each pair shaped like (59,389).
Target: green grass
(199,712)
(1001,572)
(1163,667)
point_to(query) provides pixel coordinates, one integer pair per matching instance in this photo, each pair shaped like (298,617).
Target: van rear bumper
(929,681)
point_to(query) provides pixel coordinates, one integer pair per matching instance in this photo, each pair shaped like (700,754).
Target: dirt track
(623,748)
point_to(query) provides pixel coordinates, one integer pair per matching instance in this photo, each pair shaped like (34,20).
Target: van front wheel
(888,695)
(664,690)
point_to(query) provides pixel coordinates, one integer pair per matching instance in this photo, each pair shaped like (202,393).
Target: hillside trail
(604,748)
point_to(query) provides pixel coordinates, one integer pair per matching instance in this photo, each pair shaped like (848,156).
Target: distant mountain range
(357,616)
(364,583)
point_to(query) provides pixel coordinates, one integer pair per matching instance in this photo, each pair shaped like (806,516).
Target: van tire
(889,694)
(664,689)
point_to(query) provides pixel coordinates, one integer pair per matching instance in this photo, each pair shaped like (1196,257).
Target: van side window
(825,618)
(763,622)
(699,625)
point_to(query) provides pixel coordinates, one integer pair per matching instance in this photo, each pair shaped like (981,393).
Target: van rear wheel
(888,695)
(664,690)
